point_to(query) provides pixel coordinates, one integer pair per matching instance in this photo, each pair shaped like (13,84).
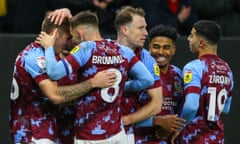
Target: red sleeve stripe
(41,77)
(75,65)
(157,83)
(133,61)
(192,89)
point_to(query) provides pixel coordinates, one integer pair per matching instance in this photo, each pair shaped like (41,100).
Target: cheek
(152,51)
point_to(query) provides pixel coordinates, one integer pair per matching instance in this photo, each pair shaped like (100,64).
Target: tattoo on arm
(72,92)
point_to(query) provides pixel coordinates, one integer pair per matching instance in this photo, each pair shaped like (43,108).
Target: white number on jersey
(212,102)
(104,92)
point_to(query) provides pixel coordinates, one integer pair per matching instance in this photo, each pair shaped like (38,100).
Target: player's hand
(103,79)
(46,40)
(170,123)
(174,136)
(58,15)
(162,133)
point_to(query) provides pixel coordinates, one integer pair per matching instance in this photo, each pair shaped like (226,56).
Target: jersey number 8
(105,91)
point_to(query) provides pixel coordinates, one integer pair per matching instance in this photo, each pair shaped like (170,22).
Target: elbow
(55,100)
(189,112)
(193,110)
(192,107)
(148,82)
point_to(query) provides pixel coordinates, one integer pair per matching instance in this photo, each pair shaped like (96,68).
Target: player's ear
(202,43)
(124,29)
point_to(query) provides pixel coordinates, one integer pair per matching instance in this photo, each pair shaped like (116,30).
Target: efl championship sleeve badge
(178,87)
(156,69)
(187,76)
(41,62)
(75,49)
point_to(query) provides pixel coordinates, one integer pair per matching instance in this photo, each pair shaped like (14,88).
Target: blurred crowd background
(25,16)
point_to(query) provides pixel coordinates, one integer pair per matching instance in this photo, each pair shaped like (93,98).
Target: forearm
(152,108)
(139,81)
(140,115)
(55,69)
(190,107)
(69,93)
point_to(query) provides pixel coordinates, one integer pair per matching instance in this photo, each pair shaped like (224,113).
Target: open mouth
(161,59)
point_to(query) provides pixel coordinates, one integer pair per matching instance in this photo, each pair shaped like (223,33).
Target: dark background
(229,49)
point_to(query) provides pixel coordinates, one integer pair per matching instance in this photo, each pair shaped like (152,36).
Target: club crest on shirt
(187,76)
(156,69)
(75,49)
(41,62)
(178,87)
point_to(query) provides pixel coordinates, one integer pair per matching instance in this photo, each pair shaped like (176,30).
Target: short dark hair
(208,29)
(163,30)
(84,18)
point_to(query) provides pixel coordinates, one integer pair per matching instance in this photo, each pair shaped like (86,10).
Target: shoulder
(32,53)
(147,57)
(176,69)
(194,64)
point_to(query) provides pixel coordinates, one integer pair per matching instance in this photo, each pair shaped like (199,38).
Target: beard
(161,66)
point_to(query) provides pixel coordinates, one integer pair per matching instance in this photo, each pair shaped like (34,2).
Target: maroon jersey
(211,78)
(98,112)
(172,84)
(31,113)
(134,100)
(66,114)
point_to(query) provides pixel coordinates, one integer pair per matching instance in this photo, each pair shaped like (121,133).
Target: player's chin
(162,65)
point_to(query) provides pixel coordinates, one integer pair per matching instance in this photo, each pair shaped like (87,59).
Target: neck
(124,41)
(164,69)
(91,33)
(208,50)
(94,37)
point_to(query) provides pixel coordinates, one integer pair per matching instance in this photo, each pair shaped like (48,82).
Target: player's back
(215,88)
(217,83)
(98,112)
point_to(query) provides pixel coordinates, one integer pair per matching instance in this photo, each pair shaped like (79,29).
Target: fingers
(46,40)
(104,79)
(59,18)
(39,37)
(58,15)
(112,78)
(178,124)
(112,75)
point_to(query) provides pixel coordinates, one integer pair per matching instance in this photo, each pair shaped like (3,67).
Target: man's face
(136,32)
(76,35)
(61,41)
(193,41)
(162,49)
